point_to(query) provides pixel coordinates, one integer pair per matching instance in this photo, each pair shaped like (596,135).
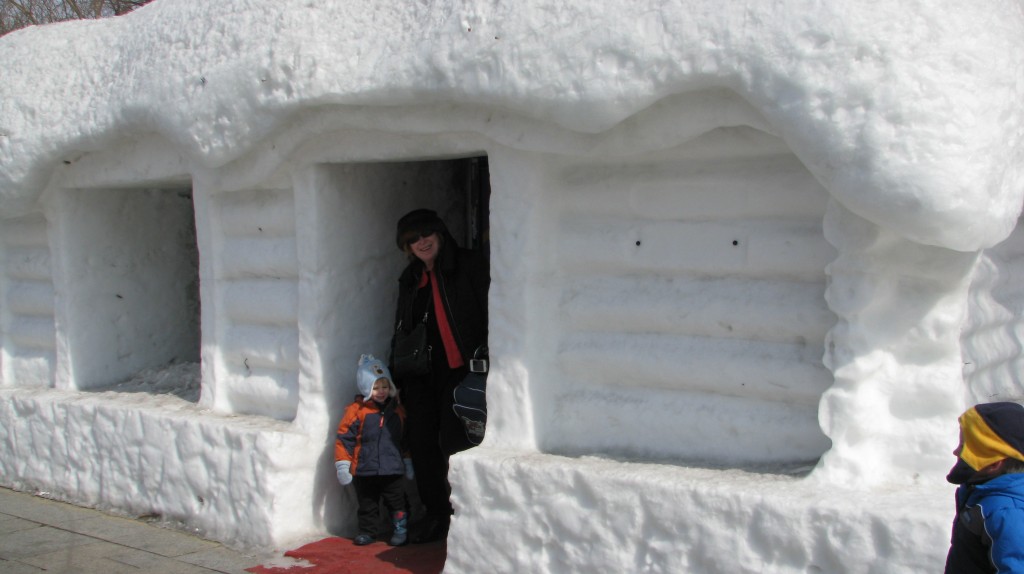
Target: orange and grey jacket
(370,436)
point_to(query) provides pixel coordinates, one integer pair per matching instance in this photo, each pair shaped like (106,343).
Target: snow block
(558,514)
(237,479)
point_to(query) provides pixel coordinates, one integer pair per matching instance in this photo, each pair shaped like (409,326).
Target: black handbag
(410,353)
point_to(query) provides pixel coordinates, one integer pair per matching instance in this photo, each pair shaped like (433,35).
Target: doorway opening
(358,206)
(474,173)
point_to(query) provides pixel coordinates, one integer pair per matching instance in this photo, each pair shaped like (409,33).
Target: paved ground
(40,535)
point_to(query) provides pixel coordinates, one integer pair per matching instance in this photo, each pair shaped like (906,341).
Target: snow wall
(705,284)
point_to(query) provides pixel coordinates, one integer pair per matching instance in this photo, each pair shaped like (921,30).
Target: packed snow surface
(907,112)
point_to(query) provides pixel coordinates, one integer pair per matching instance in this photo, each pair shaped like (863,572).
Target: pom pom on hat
(369,370)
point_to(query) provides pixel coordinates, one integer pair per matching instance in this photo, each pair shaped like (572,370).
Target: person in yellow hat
(988,531)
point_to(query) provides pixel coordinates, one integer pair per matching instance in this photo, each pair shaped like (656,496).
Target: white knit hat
(369,371)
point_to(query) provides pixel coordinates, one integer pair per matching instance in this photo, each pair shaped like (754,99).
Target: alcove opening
(130,287)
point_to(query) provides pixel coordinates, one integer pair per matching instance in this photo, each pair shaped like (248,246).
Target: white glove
(409,472)
(344,476)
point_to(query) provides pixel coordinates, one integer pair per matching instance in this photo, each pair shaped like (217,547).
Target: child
(988,531)
(369,448)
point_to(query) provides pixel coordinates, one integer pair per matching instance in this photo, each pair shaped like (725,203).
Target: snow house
(748,265)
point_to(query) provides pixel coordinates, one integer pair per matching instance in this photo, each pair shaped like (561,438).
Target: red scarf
(451,348)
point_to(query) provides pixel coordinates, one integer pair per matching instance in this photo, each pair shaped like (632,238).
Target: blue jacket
(988,531)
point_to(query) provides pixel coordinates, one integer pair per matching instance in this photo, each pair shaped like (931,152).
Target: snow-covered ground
(180,380)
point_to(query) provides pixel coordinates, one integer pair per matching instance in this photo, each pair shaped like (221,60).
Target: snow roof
(907,111)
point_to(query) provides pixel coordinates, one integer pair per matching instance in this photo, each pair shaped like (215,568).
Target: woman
(447,285)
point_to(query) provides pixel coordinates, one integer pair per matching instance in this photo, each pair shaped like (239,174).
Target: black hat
(417,221)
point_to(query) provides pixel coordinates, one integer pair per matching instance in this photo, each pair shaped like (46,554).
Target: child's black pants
(370,490)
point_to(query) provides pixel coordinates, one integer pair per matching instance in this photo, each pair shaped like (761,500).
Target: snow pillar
(517,209)
(250,303)
(29,335)
(992,335)
(895,353)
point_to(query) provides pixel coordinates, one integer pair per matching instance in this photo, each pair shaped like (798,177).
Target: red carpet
(339,556)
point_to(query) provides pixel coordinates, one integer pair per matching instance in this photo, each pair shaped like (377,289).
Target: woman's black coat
(463,280)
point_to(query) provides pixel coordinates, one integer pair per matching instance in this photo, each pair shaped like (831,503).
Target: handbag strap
(426,313)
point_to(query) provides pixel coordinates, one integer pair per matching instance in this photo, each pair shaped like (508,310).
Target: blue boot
(401,534)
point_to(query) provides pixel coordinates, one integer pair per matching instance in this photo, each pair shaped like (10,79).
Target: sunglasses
(414,236)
